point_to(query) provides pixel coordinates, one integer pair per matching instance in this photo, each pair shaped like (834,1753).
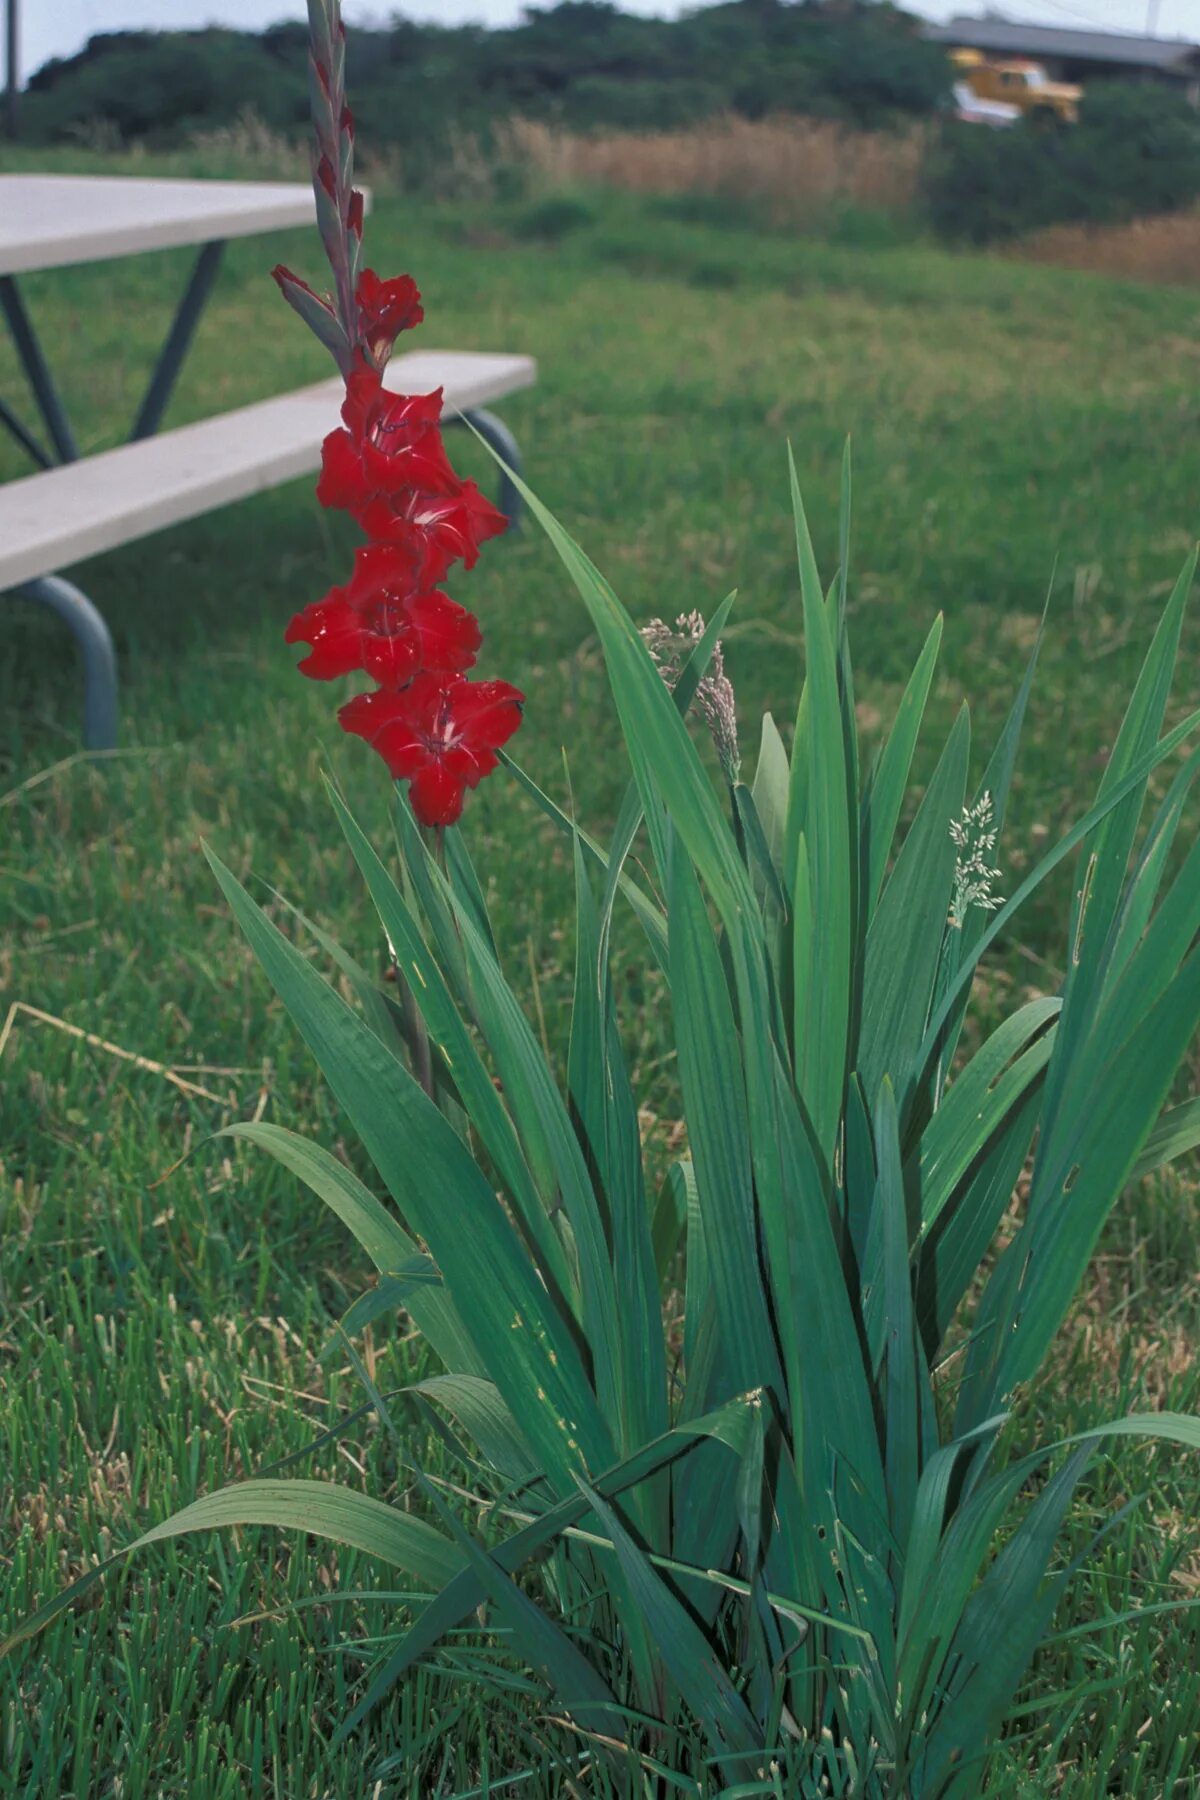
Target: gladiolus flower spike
(387,467)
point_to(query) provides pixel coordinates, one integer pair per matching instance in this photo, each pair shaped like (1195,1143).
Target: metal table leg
(35,366)
(183,326)
(24,436)
(99,659)
(498,437)
(162,381)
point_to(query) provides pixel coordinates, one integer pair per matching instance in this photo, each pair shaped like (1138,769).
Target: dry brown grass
(249,145)
(793,167)
(248,141)
(1164,248)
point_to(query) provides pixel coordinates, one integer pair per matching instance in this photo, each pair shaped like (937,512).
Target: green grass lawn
(164,1298)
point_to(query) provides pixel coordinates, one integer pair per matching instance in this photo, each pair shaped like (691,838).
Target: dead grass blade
(20,1007)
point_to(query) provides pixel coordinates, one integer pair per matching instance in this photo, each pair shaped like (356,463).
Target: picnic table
(81,506)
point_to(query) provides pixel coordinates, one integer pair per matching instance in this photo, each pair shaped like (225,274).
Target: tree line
(583,63)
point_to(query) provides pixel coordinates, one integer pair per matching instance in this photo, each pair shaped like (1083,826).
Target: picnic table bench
(76,507)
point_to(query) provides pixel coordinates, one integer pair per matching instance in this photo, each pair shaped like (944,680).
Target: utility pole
(11,86)
(1152,7)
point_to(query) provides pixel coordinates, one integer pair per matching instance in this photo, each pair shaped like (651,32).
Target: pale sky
(60,27)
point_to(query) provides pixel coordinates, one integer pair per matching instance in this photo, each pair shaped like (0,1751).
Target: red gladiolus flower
(385,309)
(378,623)
(387,467)
(433,530)
(440,734)
(390,444)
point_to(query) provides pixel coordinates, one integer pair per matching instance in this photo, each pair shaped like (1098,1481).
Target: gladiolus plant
(795,1544)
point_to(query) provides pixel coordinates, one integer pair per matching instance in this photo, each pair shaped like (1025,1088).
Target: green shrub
(716,212)
(865,227)
(1135,151)
(792,1517)
(161,87)
(550,220)
(714,274)
(1140,147)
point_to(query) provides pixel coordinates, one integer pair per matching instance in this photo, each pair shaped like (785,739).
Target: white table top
(49,221)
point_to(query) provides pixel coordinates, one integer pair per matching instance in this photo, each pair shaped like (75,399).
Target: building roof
(1013,37)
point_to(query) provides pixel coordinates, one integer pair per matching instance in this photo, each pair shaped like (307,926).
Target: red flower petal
(358,716)
(382,588)
(437,798)
(334,630)
(385,309)
(343,481)
(380,570)
(426,696)
(460,523)
(486,713)
(390,658)
(441,733)
(385,524)
(396,437)
(450,527)
(376,623)
(382,720)
(364,385)
(397,465)
(402,445)
(408,412)
(448,635)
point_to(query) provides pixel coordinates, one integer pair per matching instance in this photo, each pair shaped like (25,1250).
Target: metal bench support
(99,658)
(183,326)
(162,381)
(34,363)
(498,437)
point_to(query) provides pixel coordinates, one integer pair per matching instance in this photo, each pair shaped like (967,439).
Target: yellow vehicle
(994,91)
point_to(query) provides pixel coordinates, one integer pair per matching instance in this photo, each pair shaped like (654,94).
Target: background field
(161,1319)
